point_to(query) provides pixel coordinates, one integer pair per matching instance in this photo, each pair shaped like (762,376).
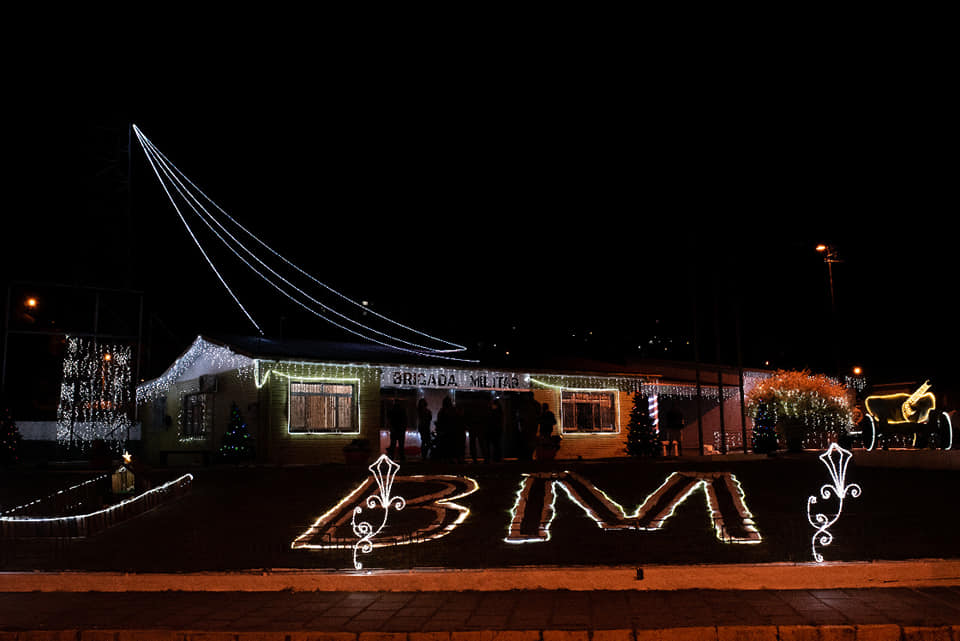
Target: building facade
(302,403)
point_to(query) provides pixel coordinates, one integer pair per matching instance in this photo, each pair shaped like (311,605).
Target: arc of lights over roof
(179,188)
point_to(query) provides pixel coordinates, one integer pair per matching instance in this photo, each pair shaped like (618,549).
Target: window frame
(572,428)
(205,402)
(354,428)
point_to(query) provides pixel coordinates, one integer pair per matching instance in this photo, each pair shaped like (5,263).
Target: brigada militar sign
(452,378)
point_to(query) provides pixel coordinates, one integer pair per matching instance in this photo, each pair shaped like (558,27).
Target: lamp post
(829,257)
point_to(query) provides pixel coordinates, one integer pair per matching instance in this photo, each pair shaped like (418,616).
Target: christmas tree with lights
(764,430)
(641,433)
(9,438)
(236,445)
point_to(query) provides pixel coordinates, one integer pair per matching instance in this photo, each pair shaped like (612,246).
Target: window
(195,410)
(589,412)
(322,408)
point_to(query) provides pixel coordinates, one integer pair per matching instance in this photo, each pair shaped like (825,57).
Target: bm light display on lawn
(731,521)
(836,460)
(429,511)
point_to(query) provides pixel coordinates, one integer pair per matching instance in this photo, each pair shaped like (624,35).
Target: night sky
(587,222)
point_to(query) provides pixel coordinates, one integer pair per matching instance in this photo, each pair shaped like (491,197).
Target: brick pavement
(701,615)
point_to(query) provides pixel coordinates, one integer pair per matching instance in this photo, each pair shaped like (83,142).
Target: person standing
(398,431)
(494,432)
(529,417)
(424,418)
(547,421)
(450,433)
(675,425)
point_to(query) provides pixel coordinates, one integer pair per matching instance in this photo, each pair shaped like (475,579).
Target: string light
(172,175)
(80,519)
(354,384)
(202,357)
(447,515)
(94,393)
(194,237)
(902,408)
(651,515)
(836,460)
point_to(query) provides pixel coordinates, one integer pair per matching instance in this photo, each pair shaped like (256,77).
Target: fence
(82,525)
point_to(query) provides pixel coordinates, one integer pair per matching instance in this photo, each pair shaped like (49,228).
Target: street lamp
(829,257)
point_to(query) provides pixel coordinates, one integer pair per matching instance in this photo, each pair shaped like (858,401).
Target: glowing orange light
(821,248)
(857,371)
(31,302)
(107,356)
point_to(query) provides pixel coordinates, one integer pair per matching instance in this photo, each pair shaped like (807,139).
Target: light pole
(829,257)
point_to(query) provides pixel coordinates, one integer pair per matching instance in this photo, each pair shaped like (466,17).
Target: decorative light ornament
(836,460)
(78,524)
(202,357)
(169,174)
(538,491)
(384,470)
(434,499)
(903,408)
(95,392)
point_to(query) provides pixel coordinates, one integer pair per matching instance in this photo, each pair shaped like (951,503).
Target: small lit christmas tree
(236,445)
(9,438)
(641,433)
(764,429)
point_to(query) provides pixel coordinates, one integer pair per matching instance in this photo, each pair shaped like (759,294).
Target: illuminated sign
(533,511)
(836,459)
(429,512)
(903,408)
(452,378)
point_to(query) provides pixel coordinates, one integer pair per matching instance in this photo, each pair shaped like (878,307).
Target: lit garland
(203,357)
(314,371)
(836,460)
(180,482)
(171,176)
(560,389)
(651,515)
(322,379)
(95,392)
(26,506)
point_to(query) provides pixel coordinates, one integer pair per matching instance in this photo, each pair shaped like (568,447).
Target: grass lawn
(243,518)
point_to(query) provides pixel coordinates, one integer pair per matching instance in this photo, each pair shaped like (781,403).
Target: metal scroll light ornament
(384,470)
(836,459)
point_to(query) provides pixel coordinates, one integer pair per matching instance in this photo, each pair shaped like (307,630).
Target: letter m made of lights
(533,511)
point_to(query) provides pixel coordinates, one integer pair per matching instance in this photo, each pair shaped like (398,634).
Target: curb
(712,633)
(773,576)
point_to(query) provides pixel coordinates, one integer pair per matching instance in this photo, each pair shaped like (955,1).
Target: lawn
(247,517)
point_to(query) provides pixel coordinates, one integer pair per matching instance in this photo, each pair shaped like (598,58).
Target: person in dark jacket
(493,442)
(547,421)
(398,431)
(424,418)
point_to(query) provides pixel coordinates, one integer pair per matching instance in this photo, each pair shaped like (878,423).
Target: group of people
(481,433)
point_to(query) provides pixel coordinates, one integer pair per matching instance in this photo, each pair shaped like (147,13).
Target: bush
(802,404)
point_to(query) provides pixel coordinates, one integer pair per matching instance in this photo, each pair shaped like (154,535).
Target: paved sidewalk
(870,613)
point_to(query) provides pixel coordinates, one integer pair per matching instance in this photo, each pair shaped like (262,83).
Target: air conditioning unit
(208,384)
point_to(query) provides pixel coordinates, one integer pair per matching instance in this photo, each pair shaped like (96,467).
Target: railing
(82,525)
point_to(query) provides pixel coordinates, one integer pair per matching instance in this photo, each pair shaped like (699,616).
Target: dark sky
(517,214)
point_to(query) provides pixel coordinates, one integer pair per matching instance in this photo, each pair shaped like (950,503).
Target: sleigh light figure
(912,415)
